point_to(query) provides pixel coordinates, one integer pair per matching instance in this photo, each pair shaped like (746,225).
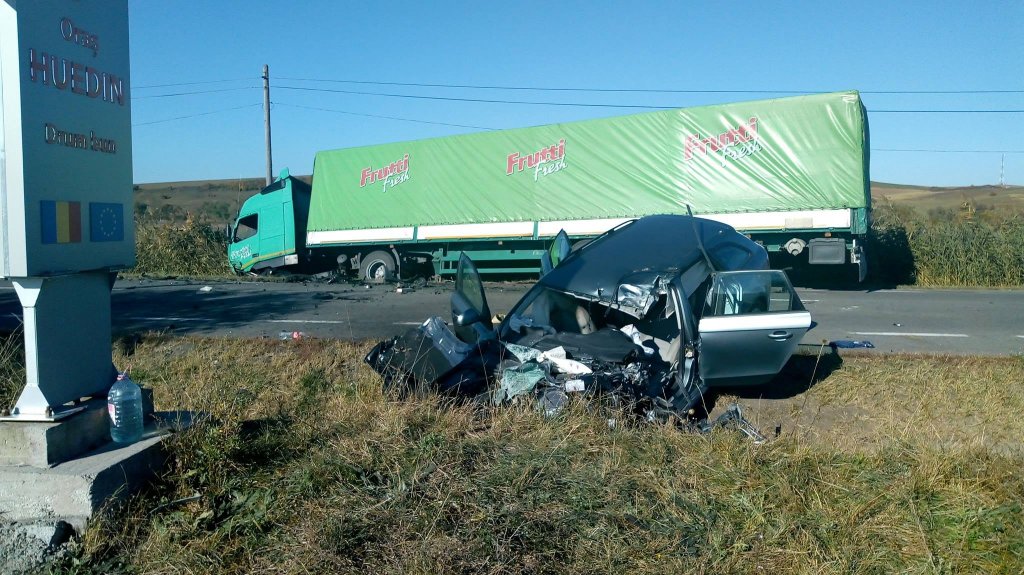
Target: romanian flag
(60,222)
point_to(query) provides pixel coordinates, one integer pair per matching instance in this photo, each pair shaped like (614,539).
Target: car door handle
(780,335)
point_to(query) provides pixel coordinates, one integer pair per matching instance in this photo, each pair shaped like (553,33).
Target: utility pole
(1002,168)
(266,121)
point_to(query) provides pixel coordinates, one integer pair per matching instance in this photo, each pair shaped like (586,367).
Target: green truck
(791,173)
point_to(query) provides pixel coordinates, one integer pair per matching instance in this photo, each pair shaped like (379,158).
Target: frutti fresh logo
(730,145)
(543,162)
(391,175)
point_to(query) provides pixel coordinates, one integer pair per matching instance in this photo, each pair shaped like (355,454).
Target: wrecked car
(656,311)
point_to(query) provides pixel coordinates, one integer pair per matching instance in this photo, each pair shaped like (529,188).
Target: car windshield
(549,310)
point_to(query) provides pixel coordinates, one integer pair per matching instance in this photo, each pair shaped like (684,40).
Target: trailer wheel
(377,267)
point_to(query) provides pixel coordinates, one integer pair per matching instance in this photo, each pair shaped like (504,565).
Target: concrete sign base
(67,343)
(46,443)
(74,490)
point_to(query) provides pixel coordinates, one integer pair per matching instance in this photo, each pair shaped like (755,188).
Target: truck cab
(269,232)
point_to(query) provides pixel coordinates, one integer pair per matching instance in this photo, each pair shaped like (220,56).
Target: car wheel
(377,267)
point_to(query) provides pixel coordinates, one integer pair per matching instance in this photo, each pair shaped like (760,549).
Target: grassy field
(216,201)
(930,199)
(883,464)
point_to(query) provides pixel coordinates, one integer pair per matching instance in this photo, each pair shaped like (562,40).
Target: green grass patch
(888,464)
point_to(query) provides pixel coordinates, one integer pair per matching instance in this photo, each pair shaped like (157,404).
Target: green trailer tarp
(787,154)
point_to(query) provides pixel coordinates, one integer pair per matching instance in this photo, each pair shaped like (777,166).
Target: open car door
(558,251)
(751,324)
(471,317)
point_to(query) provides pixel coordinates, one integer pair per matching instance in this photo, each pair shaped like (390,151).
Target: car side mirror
(468,317)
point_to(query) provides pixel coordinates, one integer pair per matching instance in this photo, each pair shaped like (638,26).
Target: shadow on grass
(803,371)
(266,442)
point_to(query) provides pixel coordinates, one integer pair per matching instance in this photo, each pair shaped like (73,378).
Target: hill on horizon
(219,200)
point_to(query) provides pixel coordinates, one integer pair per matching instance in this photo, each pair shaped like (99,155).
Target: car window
(729,256)
(247,227)
(471,287)
(755,292)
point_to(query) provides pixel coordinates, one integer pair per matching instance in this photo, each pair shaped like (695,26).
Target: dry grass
(12,367)
(966,247)
(873,401)
(192,248)
(310,469)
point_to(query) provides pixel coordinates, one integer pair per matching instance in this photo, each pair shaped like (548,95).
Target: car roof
(653,246)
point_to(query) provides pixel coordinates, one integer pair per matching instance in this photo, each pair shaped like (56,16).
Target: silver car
(657,310)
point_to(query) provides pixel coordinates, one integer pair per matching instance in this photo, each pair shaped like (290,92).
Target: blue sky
(745,46)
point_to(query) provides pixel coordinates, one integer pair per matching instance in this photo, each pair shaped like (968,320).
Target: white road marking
(408,323)
(167,319)
(331,321)
(803,300)
(328,321)
(1021,336)
(911,334)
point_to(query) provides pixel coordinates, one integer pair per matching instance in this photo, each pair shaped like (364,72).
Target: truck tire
(377,267)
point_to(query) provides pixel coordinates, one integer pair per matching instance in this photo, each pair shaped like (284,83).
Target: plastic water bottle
(124,405)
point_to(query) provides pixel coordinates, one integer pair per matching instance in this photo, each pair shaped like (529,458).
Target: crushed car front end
(623,316)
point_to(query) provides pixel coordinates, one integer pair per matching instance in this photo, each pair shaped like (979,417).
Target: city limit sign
(65,137)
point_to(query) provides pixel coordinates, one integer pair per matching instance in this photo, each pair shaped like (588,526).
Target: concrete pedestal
(74,490)
(42,444)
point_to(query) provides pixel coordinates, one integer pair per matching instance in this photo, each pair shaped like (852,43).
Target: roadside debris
(205,289)
(652,314)
(733,419)
(290,335)
(852,344)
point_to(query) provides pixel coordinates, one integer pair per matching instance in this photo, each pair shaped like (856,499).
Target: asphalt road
(910,320)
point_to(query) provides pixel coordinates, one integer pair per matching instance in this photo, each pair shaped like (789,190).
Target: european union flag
(106,222)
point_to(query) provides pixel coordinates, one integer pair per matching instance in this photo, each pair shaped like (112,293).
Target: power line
(193,93)
(195,115)
(481,100)
(590,104)
(384,117)
(634,90)
(593,105)
(190,83)
(572,104)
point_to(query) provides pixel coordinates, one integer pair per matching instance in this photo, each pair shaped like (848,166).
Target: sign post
(65,189)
